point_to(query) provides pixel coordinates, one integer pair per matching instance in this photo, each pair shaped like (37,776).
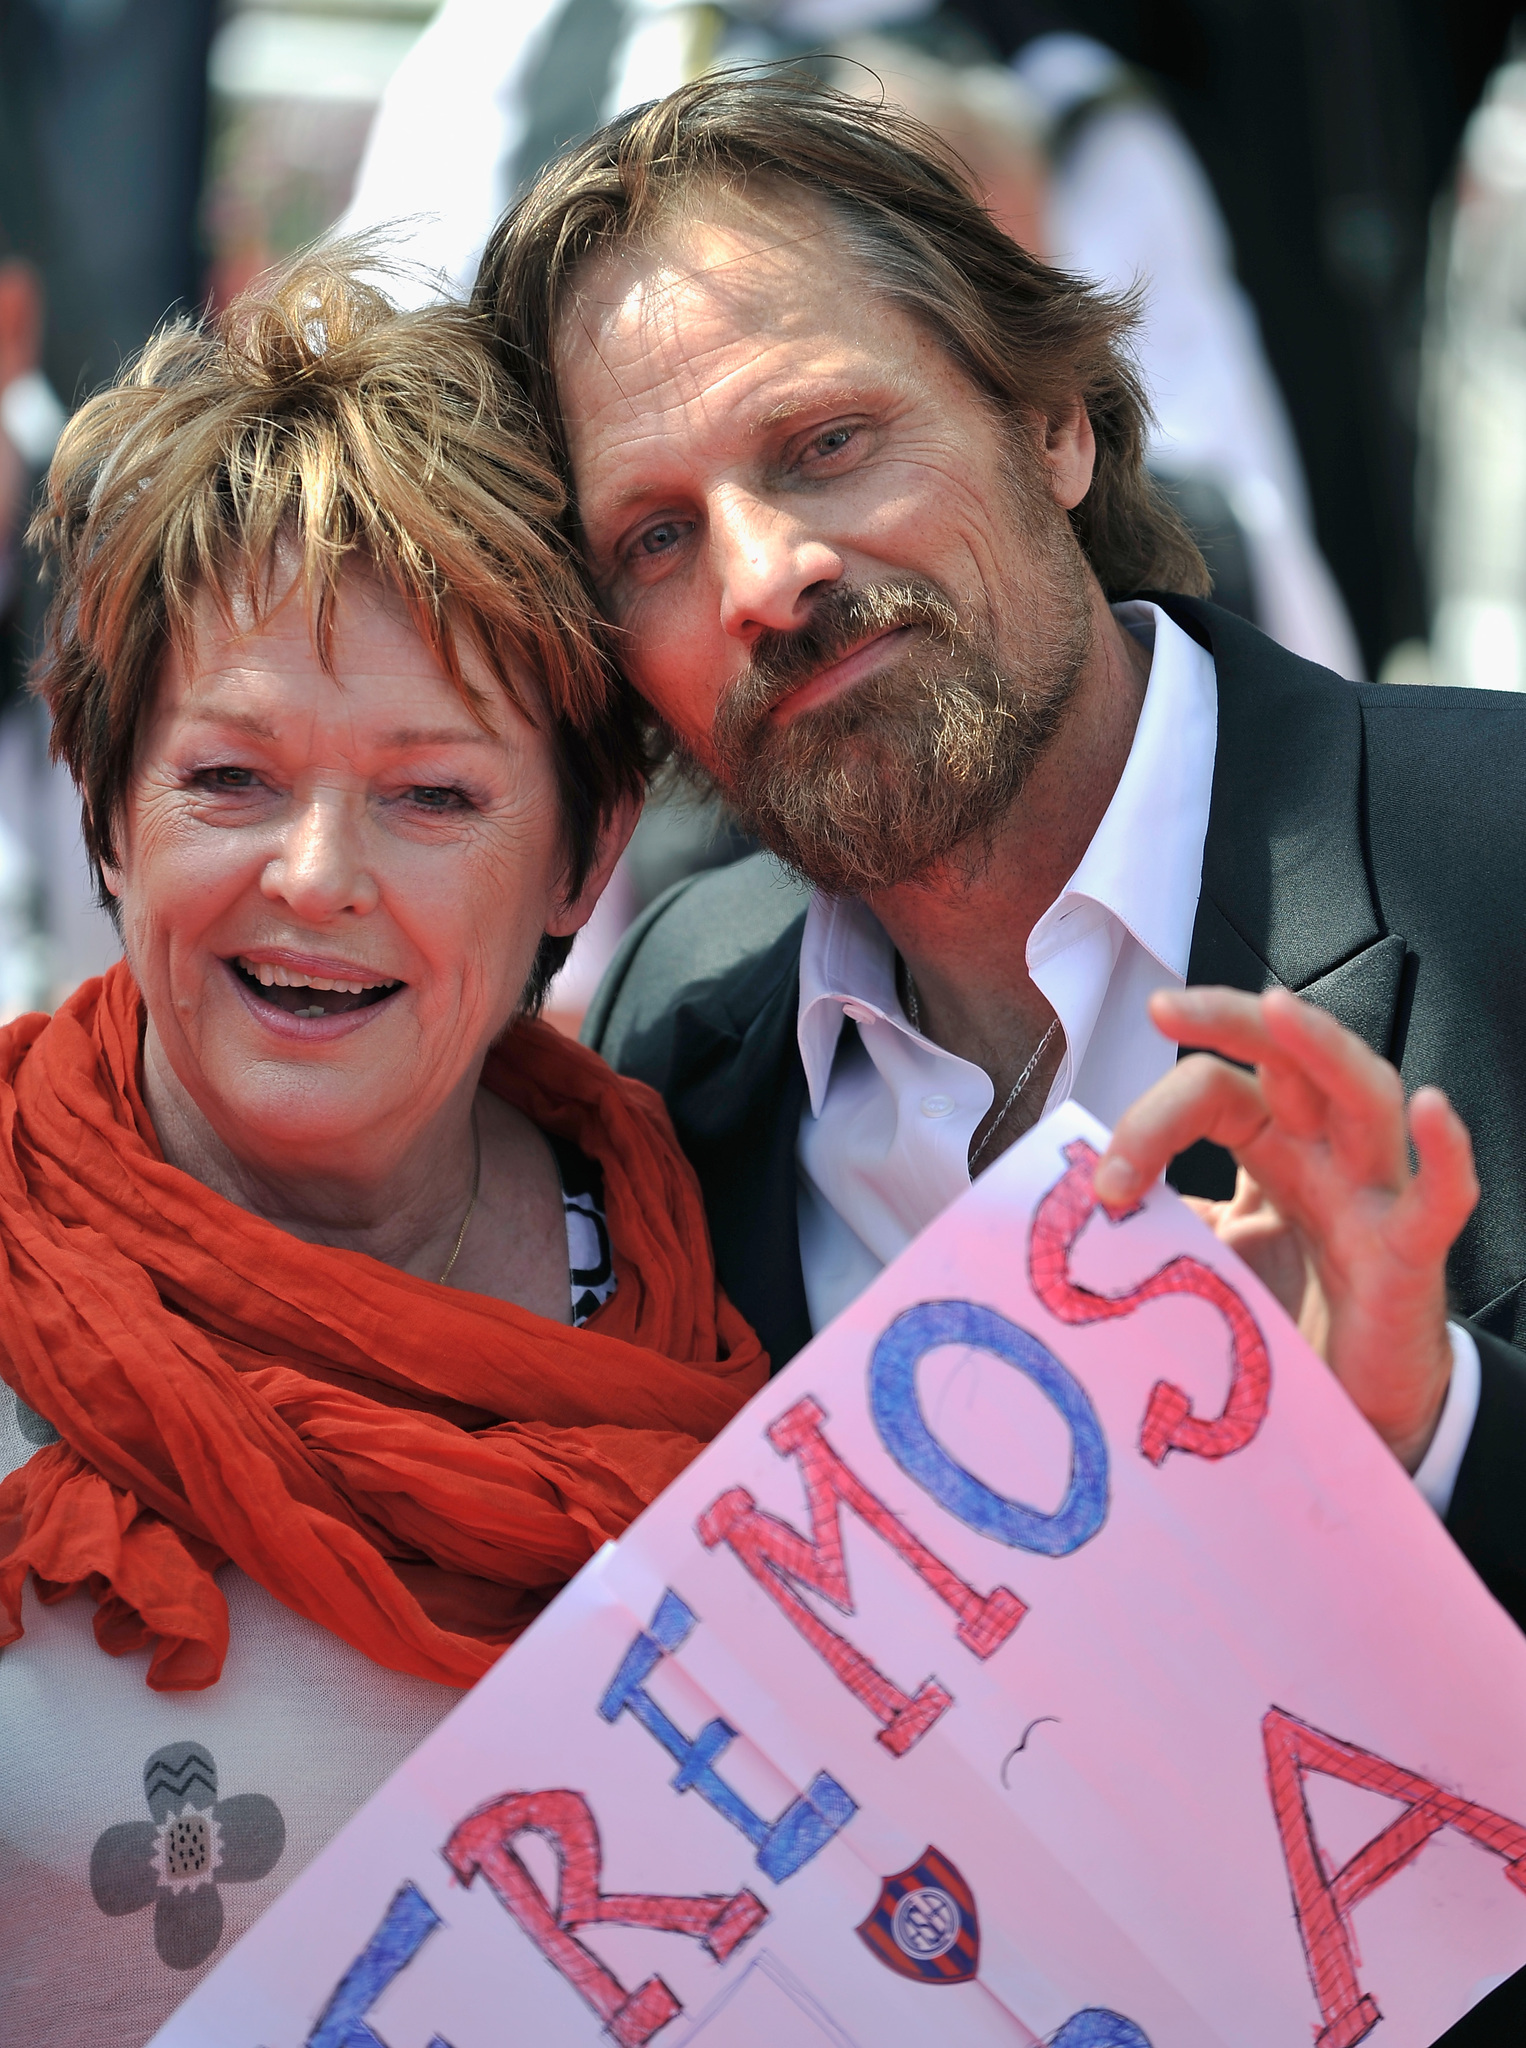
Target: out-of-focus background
(1324,200)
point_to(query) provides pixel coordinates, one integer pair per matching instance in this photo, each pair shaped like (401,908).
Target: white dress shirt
(885,1134)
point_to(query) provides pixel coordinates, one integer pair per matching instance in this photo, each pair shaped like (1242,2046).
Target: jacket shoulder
(1436,725)
(713,946)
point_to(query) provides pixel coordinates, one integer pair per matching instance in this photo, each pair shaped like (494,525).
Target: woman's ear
(612,843)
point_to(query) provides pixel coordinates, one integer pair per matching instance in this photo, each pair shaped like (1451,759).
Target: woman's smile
(300,991)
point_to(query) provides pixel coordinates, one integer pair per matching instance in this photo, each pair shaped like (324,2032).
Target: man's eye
(833,441)
(658,539)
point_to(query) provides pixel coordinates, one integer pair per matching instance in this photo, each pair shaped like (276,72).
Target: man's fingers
(1200,1098)
(1444,1192)
(1363,1091)
(1319,1077)
(1221,1020)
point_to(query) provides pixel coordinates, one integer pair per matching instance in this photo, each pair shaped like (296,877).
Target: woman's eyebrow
(401,739)
(405,738)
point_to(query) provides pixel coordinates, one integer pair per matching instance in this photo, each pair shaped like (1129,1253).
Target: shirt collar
(847,963)
(1144,865)
(847,967)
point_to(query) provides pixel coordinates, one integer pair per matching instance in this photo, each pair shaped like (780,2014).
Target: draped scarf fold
(414,1467)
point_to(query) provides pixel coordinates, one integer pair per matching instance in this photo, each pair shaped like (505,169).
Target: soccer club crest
(924,1923)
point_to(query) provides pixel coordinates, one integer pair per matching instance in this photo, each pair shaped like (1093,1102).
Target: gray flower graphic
(176,1861)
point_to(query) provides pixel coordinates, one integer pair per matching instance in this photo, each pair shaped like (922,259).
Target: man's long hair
(1032,338)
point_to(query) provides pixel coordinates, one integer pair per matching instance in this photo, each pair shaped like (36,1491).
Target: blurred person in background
(102,139)
(31,790)
(1473,480)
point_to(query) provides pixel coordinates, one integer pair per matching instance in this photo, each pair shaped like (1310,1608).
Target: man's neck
(963,933)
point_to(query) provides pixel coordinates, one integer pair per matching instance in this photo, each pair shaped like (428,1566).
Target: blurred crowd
(1322,204)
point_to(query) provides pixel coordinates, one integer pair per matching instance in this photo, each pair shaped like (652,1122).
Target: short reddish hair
(314,416)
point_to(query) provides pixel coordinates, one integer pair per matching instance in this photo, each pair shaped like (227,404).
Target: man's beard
(884,782)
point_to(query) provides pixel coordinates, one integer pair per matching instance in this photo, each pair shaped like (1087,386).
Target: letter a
(1323,1901)
(780,1558)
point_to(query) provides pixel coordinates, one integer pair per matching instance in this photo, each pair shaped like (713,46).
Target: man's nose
(320,870)
(769,564)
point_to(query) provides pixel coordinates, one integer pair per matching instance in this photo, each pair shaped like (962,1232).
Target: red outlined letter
(1169,1423)
(1324,1901)
(484,1842)
(777,1555)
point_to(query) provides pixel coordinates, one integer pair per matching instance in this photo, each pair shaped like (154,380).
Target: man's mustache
(840,620)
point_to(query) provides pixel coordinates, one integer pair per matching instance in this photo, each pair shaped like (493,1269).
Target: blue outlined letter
(806,1825)
(903,1429)
(1098,2028)
(406,1925)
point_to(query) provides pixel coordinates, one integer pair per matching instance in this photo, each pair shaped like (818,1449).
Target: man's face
(844,584)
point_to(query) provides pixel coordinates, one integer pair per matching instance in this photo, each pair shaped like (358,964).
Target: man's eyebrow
(824,400)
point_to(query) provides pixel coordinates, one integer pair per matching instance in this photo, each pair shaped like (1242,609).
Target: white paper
(1122,1637)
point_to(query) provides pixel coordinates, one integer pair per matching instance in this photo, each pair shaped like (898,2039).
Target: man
(1078,157)
(861,486)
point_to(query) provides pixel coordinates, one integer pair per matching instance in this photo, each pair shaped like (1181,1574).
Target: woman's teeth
(312,995)
(282,977)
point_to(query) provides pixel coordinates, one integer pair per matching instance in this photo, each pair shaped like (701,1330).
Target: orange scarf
(417,1468)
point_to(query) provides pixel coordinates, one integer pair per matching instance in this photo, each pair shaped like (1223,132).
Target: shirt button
(937,1105)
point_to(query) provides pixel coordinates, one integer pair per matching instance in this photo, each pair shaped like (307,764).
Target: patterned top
(590,1262)
(141,1833)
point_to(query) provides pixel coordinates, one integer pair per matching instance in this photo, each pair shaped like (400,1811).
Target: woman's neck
(397,1197)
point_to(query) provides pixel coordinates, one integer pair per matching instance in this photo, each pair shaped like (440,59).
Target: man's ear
(612,843)
(1070,455)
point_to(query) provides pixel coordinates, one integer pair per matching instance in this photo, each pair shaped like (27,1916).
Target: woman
(344,1310)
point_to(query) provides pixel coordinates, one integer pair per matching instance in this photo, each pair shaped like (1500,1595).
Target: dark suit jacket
(1366,846)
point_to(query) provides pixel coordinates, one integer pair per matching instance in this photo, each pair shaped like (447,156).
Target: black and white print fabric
(590,1262)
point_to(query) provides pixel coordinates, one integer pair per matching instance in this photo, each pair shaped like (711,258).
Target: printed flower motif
(176,1861)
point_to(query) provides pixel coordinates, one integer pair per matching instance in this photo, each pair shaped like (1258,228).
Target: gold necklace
(472,1204)
(914,1018)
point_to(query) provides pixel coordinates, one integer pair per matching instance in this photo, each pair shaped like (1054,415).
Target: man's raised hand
(1326,1209)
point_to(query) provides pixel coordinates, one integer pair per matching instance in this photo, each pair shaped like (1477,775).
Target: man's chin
(878,855)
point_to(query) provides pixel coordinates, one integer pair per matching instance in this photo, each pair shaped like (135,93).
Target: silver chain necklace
(914,1009)
(471,1207)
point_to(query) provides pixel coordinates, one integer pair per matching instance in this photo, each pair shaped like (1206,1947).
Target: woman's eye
(430,797)
(227,778)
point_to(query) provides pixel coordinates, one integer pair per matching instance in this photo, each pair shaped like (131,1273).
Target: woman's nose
(320,870)
(769,564)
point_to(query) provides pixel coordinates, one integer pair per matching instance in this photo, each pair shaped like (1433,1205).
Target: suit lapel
(736,1096)
(1286,899)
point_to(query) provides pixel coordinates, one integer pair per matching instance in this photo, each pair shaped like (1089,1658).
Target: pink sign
(1051,1653)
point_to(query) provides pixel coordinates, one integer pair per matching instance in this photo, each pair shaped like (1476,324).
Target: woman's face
(333,884)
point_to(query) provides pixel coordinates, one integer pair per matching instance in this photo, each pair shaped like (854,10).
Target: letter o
(897,1411)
